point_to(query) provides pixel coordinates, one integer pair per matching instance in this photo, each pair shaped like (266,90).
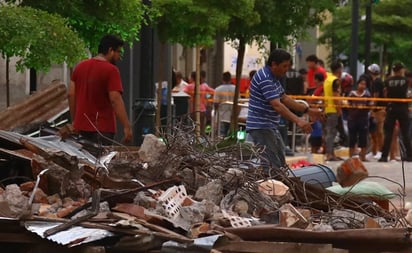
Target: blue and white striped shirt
(263,89)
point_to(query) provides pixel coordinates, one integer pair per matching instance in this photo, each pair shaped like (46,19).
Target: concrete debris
(177,190)
(16,200)
(290,217)
(151,148)
(322,227)
(212,191)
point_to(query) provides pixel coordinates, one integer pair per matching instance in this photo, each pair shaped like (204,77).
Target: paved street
(389,174)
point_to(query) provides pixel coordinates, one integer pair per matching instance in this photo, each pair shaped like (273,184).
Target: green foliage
(190,22)
(391,26)
(93,19)
(40,39)
(278,21)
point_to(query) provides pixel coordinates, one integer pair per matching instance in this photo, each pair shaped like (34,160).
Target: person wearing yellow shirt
(333,108)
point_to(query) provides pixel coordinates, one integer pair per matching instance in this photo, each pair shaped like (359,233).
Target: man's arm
(72,100)
(120,111)
(290,103)
(283,110)
(337,102)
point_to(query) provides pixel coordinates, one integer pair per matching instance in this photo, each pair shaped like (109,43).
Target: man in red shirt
(313,67)
(95,95)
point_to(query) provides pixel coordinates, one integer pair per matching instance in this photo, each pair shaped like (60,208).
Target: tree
(93,19)
(192,24)
(391,24)
(38,38)
(277,21)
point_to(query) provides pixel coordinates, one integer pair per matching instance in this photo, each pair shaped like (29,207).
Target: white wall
(19,81)
(254,58)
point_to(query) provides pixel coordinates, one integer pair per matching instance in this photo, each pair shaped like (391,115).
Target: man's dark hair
(251,74)
(312,58)
(397,66)
(335,66)
(278,56)
(109,41)
(226,77)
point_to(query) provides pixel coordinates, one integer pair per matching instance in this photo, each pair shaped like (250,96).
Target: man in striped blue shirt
(268,101)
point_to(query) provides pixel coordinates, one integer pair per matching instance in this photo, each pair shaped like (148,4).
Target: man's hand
(305,125)
(315,114)
(128,134)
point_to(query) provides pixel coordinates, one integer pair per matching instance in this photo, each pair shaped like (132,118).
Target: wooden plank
(268,247)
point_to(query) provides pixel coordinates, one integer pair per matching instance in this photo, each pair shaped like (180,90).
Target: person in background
(95,95)
(333,108)
(312,63)
(408,75)
(319,81)
(268,102)
(224,93)
(205,92)
(347,84)
(304,74)
(358,119)
(180,84)
(244,86)
(377,117)
(316,139)
(396,86)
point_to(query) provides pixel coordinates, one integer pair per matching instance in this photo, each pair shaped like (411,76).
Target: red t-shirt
(93,80)
(311,76)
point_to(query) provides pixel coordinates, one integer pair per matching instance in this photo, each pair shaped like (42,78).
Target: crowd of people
(368,115)
(356,114)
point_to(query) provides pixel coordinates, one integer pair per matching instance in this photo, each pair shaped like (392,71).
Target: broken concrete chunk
(145,201)
(192,214)
(291,217)
(322,227)
(151,148)
(16,200)
(276,190)
(55,199)
(212,191)
(347,219)
(273,188)
(241,207)
(40,196)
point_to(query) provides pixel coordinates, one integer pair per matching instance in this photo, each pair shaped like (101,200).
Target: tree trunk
(7,81)
(197,92)
(159,90)
(235,108)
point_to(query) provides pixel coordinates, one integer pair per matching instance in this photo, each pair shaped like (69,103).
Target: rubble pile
(174,192)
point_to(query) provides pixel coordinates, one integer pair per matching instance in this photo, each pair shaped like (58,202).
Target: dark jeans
(392,114)
(331,131)
(358,133)
(274,149)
